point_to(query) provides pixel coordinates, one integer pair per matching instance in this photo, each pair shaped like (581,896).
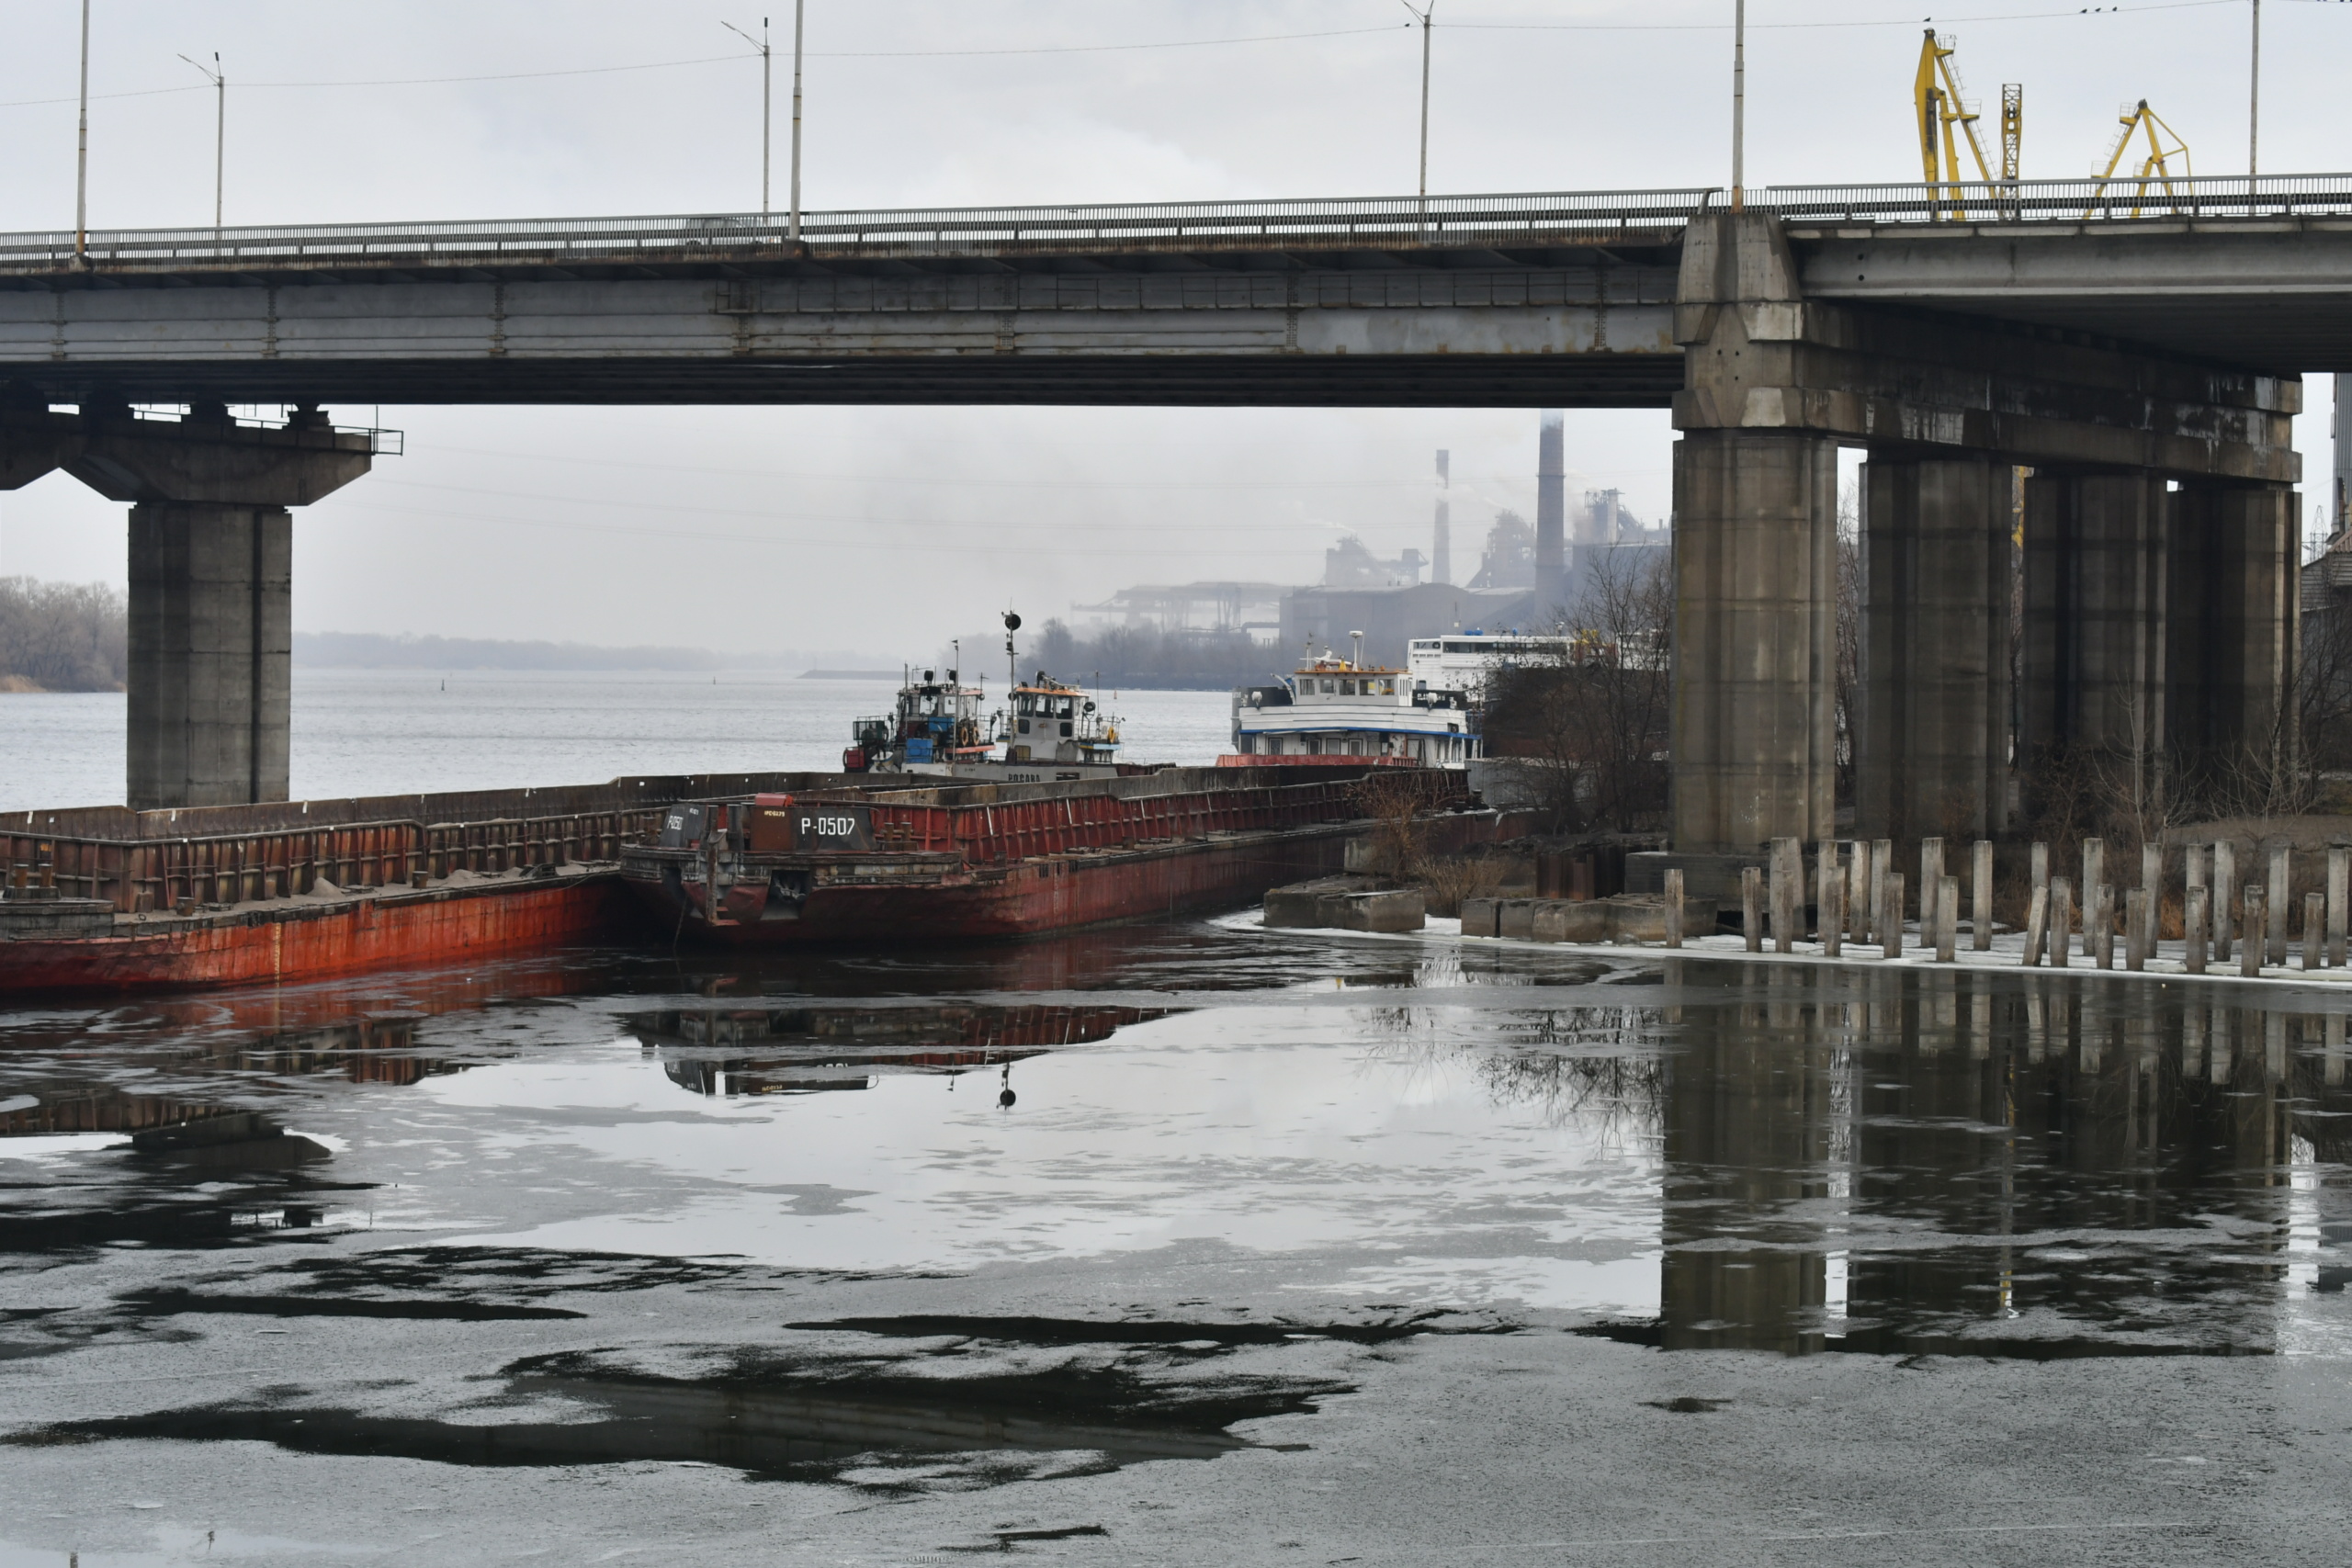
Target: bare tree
(63,637)
(1592,717)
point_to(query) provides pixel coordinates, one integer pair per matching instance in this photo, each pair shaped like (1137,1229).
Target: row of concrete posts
(1858,897)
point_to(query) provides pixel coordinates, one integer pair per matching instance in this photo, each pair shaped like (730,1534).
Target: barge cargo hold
(1008,859)
(104,899)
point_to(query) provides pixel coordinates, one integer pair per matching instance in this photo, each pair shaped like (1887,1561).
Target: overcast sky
(885,530)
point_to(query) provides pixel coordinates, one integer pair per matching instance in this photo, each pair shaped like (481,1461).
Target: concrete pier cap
(210,578)
(2185,605)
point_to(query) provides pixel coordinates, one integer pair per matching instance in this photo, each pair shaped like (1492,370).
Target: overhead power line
(1471,25)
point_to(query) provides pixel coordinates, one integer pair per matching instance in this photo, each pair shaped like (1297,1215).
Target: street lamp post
(220,131)
(792,231)
(1424,16)
(81,154)
(1739,106)
(767,76)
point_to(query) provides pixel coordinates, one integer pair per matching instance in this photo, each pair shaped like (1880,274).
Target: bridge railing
(2091,198)
(1321,223)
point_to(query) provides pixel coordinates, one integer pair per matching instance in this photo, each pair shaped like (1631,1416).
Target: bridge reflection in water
(1993,1165)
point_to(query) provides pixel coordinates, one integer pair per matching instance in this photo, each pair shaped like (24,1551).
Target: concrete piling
(2135,919)
(1857,887)
(1932,878)
(2093,869)
(1947,918)
(1881,873)
(1893,916)
(2196,916)
(2339,872)
(1833,911)
(1674,907)
(2250,939)
(2062,920)
(1980,897)
(1751,907)
(2037,927)
(2098,927)
(2225,882)
(2276,897)
(1788,893)
(2314,919)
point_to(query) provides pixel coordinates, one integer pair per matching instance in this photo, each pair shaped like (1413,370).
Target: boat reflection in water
(1969,1164)
(809,1050)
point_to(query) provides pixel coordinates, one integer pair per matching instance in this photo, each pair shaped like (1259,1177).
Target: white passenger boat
(1335,710)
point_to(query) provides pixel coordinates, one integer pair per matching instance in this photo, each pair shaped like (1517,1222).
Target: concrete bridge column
(211,579)
(2235,627)
(2097,616)
(1932,738)
(211,638)
(1755,639)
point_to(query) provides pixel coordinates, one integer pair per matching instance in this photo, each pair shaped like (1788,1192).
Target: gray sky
(888,529)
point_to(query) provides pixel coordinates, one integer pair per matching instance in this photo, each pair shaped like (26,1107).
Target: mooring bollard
(2036,926)
(1947,918)
(2226,883)
(2278,896)
(1751,907)
(1932,878)
(2194,916)
(2250,939)
(1674,907)
(2098,928)
(2314,919)
(2061,921)
(1891,915)
(1980,897)
(2135,917)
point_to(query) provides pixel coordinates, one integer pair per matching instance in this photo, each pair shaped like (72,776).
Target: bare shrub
(1445,883)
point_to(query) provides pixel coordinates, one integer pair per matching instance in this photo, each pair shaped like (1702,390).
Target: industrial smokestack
(1442,546)
(1551,516)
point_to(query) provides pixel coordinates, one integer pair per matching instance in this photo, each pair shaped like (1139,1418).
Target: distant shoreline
(849,675)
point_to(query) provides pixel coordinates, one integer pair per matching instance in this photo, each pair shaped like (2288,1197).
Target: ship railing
(141,875)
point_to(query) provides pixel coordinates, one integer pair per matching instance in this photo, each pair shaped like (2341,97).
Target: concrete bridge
(2138,348)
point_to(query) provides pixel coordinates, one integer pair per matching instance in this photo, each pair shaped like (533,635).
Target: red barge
(1005,860)
(107,900)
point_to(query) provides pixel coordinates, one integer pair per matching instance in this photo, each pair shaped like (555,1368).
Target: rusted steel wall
(293,942)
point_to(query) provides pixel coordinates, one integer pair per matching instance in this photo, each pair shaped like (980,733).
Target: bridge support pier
(1932,740)
(1755,639)
(211,640)
(211,579)
(2235,629)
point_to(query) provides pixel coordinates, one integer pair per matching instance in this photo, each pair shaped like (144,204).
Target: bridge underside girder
(1369,380)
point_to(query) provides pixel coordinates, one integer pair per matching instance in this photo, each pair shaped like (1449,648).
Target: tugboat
(1051,733)
(934,723)
(1334,711)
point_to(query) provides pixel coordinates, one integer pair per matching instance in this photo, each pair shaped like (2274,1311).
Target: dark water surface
(1334,1249)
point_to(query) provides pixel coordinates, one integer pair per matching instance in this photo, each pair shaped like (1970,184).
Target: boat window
(1347,688)
(1329,687)
(1063,708)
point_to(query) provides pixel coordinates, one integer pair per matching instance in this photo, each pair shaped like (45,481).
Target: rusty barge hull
(1032,897)
(289,940)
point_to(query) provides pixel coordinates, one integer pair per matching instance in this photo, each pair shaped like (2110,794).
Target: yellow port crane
(1940,109)
(2156,169)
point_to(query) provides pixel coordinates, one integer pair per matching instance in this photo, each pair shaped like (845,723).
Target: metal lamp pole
(1739,106)
(767,76)
(81,154)
(2254,106)
(220,131)
(1423,16)
(792,231)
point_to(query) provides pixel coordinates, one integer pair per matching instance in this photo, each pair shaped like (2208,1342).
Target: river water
(1186,1243)
(360,732)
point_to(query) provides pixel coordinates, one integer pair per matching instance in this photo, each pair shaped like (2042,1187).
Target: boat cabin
(1333,707)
